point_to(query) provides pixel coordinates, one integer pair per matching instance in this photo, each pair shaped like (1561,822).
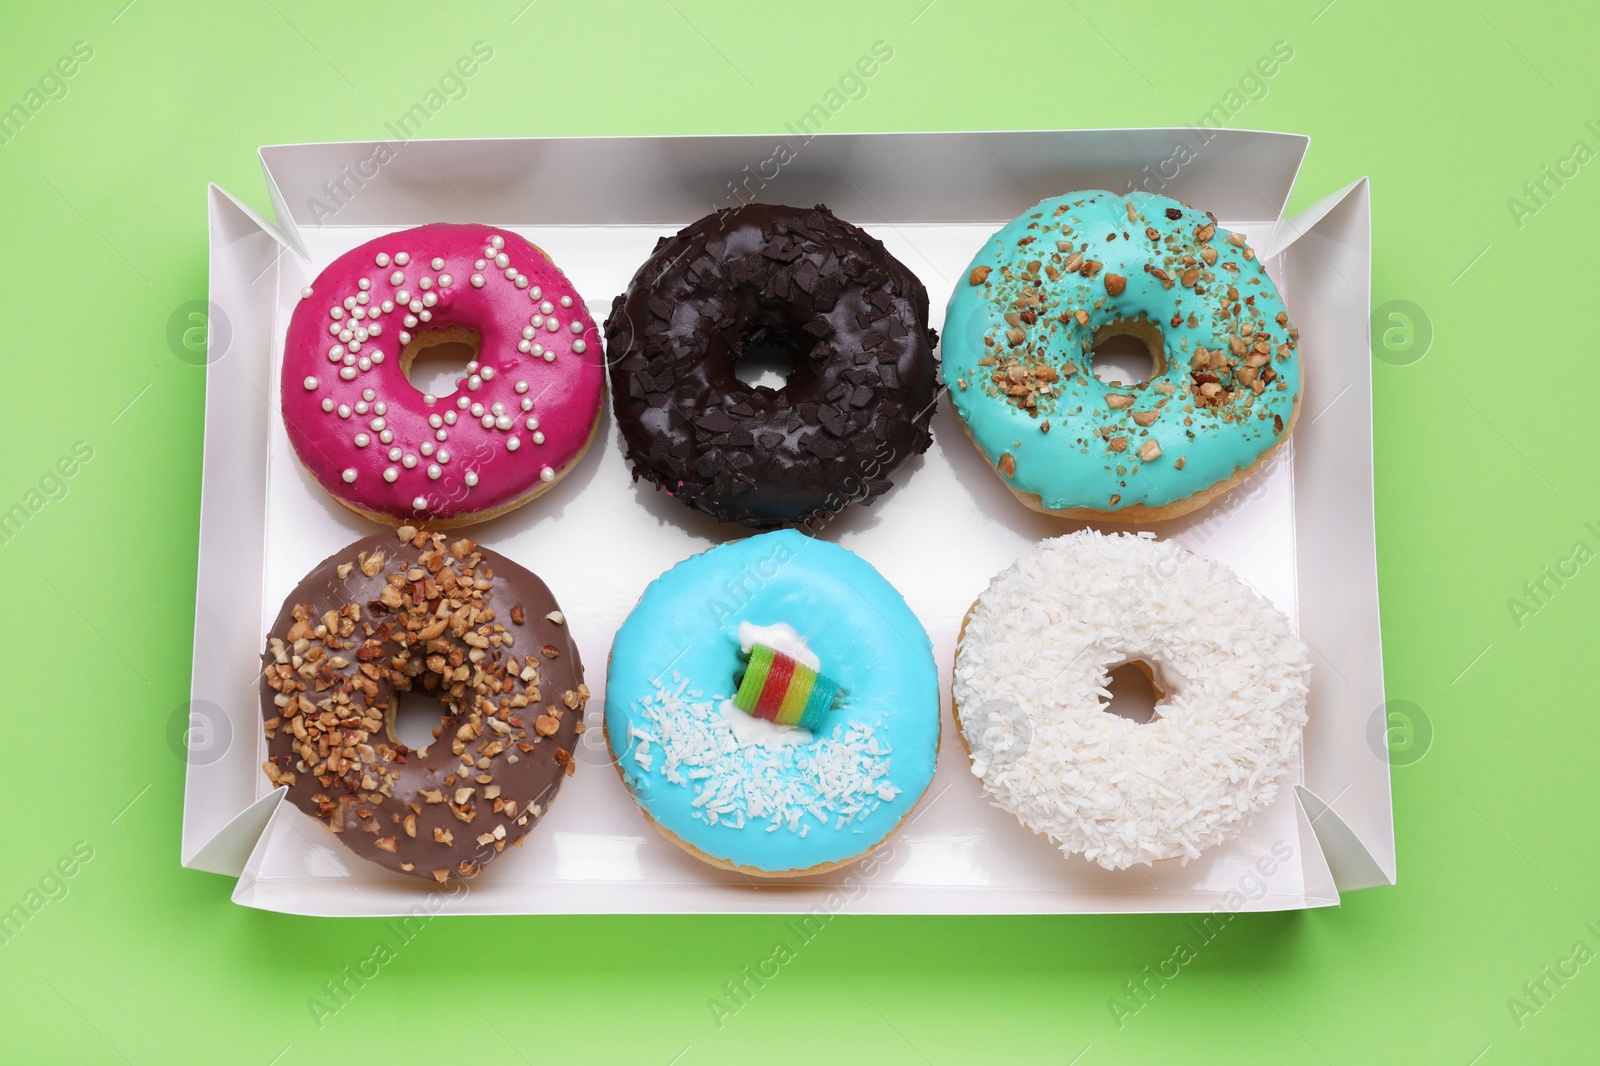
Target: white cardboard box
(1301,533)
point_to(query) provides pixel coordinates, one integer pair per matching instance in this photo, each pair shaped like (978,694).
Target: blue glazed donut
(1071,272)
(744,793)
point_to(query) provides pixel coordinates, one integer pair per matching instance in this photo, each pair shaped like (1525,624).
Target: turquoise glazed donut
(748,794)
(1075,270)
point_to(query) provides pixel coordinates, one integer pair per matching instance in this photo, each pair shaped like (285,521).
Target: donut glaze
(520,416)
(1032,665)
(1021,326)
(757,801)
(385,617)
(856,405)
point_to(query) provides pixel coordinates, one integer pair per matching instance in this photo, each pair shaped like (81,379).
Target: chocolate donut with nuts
(801,282)
(434,618)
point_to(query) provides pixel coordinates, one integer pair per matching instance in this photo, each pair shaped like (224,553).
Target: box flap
(221,773)
(1327,251)
(911,178)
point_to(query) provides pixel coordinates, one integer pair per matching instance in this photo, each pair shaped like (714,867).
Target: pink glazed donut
(520,417)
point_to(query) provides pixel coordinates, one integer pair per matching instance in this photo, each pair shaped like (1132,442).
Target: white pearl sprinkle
(429,299)
(349,303)
(527,403)
(525,346)
(426,448)
(532,423)
(435,421)
(434,471)
(537,320)
(426,316)
(409,462)
(365,363)
(403,297)
(349,474)
(501,423)
(397,278)
(577,327)
(538,438)
(549,357)
(487,373)
(395,454)
(497,241)
(480,264)
(361,407)
(580,347)
(472,366)
(364,284)
(386,437)
(521,386)
(345,336)
(445,280)
(362,440)
(474,382)
(344,410)
(471,478)
(381,408)
(511,273)
(333,329)
(327,405)
(415,306)
(487,421)
(437,264)
(305,293)
(425,283)
(442,435)
(521,281)
(368,394)
(566,301)
(347,373)
(513,443)
(387,305)
(527,334)
(402,258)
(535,294)
(383,259)
(410,321)
(391,475)
(477,281)
(420,503)
(405,338)
(502,260)
(363,298)
(497,408)
(377,357)
(444,455)
(551,324)
(379,424)
(462,402)
(547,307)
(547,474)
(310,384)
(477,410)
(450,417)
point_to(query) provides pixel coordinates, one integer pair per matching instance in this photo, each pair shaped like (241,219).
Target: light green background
(1486,474)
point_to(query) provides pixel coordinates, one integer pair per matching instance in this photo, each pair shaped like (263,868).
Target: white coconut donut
(1031,671)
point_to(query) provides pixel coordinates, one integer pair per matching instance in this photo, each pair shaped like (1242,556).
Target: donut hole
(1135,693)
(414,722)
(436,359)
(767,357)
(1127,352)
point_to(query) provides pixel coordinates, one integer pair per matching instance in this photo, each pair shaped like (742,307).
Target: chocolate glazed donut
(853,318)
(438,620)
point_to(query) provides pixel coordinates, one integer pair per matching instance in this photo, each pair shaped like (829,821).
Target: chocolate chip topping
(855,407)
(440,620)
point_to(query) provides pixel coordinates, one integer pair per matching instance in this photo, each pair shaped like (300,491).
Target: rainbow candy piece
(780,689)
